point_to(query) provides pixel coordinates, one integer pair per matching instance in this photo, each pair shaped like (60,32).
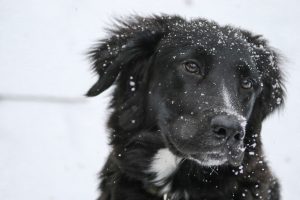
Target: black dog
(188,107)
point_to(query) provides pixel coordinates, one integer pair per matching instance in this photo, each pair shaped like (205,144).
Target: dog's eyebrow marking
(164,163)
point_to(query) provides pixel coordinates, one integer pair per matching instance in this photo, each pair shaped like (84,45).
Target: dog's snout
(227,127)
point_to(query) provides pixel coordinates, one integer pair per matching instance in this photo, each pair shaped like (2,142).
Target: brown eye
(247,83)
(191,67)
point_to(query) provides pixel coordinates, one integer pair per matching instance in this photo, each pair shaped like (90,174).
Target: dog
(189,100)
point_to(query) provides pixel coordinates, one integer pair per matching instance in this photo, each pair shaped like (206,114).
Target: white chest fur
(163,165)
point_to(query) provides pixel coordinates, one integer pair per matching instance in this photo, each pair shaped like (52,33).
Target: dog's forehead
(237,57)
(212,37)
(227,45)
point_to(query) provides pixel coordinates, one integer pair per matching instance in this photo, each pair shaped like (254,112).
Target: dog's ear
(268,62)
(129,43)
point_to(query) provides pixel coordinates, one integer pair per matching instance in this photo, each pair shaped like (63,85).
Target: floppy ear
(268,63)
(131,41)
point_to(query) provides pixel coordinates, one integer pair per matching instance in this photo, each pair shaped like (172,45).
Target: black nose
(227,127)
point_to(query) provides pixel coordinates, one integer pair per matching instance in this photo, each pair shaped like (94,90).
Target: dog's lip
(233,158)
(212,155)
(229,158)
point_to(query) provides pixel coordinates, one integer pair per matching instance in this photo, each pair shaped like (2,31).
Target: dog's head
(204,86)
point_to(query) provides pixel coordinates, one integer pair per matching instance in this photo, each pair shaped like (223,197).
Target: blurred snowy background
(52,148)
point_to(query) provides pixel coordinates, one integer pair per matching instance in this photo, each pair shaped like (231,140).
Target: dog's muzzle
(230,130)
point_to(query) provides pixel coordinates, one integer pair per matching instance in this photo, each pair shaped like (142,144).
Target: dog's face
(205,99)
(200,82)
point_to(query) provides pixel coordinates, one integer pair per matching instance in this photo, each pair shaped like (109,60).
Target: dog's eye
(247,83)
(191,67)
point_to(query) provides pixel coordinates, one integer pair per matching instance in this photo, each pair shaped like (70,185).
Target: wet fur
(129,53)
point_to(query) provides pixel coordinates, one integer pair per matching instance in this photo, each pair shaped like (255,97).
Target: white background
(53,150)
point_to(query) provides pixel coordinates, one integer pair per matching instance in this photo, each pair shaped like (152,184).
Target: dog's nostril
(220,132)
(238,136)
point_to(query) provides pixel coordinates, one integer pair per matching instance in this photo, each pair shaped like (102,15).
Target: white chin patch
(163,164)
(209,162)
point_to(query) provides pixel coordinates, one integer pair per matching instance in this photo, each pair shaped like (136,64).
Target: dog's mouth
(222,156)
(218,158)
(210,158)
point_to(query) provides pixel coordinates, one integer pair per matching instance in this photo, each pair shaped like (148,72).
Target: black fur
(157,102)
